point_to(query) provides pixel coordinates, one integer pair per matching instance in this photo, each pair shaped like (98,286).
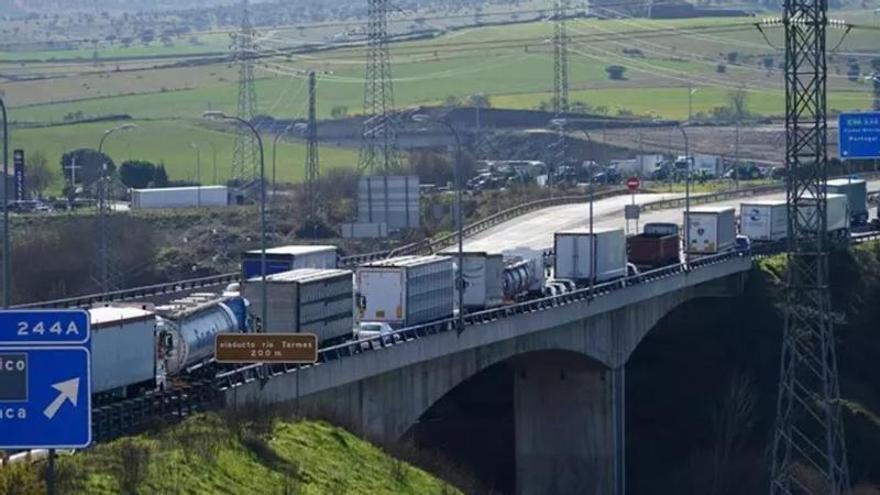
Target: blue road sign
(44,327)
(860,136)
(45,397)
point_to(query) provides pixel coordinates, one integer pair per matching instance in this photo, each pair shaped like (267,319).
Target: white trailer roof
(407,261)
(712,209)
(303,275)
(596,231)
(295,250)
(766,202)
(845,182)
(111,316)
(180,189)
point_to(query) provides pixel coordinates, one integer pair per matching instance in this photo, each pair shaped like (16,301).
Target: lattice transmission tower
(379,152)
(313,170)
(809,432)
(246,154)
(560,81)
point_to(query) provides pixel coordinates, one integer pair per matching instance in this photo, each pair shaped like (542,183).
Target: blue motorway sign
(50,327)
(45,380)
(45,398)
(859,135)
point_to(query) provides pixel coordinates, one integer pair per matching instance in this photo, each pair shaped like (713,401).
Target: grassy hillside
(170,141)
(205,456)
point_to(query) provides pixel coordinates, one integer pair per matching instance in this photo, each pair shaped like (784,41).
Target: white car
(368,330)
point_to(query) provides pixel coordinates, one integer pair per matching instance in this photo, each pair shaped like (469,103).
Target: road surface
(535,230)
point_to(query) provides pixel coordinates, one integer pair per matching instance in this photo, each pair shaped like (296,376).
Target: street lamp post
(198,174)
(561,123)
(264,313)
(687,196)
(7,276)
(459,282)
(103,202)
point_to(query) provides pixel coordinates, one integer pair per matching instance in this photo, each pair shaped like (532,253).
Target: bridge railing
(247,374)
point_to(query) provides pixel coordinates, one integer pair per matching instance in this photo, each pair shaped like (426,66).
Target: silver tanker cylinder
(187,333)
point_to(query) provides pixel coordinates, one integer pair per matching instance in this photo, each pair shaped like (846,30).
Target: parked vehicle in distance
(658,245)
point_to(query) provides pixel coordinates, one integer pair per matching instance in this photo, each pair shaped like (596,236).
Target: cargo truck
(658,245)
(180,197)
(856,191)
(838,215)
(579,252)
(764,221)
(123,351)
(405,291)
(306,300)
(286,258)
(483,276)
(710,230)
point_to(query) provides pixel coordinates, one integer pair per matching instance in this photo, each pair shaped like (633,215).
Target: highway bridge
(569,351)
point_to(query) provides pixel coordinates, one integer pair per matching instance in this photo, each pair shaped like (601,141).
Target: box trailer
(483,276)
(306,301)
(710,230)
(838,214)
(123,350)
(658,245)
(576,250)
(286,258)
(764,221)
(180,197)
(405,291)
(856,191)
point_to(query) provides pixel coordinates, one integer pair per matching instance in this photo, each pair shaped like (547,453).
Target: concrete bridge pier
(564,426)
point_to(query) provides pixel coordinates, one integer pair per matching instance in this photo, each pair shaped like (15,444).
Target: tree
(479,101)
(38,176)
(739,103)
(616,72)
(87,165)
(137,174)
(339,112)
(160,178)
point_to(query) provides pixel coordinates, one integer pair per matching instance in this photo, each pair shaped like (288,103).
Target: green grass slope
(206,456)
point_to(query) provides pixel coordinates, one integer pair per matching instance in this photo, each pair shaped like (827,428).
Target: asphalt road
(535,230)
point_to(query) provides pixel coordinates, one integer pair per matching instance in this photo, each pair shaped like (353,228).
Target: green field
(207,455)
(511,64)
(170,142)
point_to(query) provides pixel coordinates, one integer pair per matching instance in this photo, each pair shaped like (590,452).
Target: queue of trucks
(137,348)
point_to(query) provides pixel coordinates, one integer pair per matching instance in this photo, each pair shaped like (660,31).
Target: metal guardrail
(136,293)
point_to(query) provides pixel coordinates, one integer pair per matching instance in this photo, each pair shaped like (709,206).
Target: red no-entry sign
(633,183)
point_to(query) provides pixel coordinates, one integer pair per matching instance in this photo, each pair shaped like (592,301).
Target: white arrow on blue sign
(45,380)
